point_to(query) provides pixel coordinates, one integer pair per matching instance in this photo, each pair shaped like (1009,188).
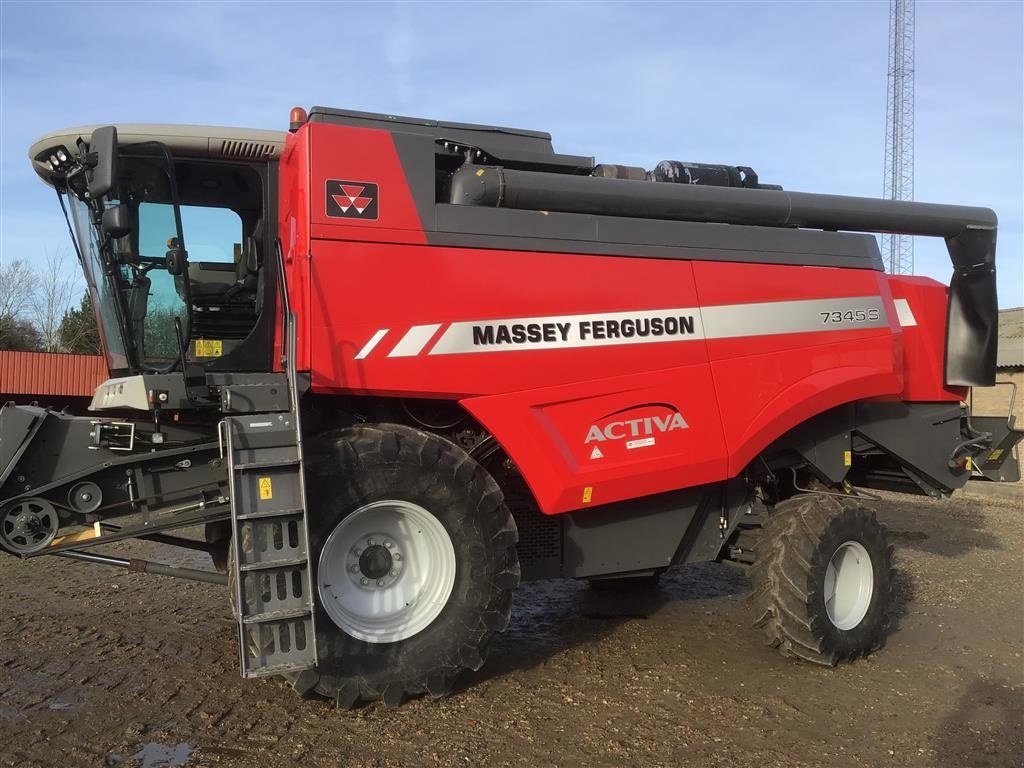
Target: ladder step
(268,564)
(271,513)
(278,669)
(259,618)
(273,573)
(266,464)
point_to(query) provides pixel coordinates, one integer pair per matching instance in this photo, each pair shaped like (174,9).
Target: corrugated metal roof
(47,373)
(1011,338)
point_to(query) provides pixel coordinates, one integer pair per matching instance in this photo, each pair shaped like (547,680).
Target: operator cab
(174,227)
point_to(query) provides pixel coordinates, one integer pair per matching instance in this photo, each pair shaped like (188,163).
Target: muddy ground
(99,667)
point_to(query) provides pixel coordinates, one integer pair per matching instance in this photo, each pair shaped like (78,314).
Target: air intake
(249,150)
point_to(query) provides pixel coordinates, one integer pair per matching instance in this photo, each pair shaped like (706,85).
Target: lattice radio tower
(898,250)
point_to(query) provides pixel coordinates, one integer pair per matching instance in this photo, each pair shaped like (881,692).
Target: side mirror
(103,175)
(176,261)
(116,221)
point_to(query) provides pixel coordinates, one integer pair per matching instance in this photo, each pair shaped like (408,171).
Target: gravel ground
(105,668)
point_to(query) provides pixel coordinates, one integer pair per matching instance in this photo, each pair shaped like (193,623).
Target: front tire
(415,563)
(822,580)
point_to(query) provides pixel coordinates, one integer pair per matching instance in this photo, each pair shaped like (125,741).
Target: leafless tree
(17,289)
(58,287)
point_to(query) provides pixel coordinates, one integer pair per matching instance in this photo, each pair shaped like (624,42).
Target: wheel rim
(386,571)
(849,585)
(28,525)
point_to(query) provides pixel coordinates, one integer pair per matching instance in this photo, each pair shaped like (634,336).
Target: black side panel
(512,145)
(999,463)
(971,324)
(724,507)
(416,152)
(635,535)
(920,436)
(471,226)
(540,539)
(510,229)
(18,424)
(823,441)
(61,451)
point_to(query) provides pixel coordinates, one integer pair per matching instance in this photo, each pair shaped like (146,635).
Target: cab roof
(182,140)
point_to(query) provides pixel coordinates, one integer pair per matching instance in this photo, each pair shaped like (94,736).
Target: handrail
(289,334)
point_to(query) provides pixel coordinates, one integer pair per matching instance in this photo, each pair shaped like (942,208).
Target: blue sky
(796,90)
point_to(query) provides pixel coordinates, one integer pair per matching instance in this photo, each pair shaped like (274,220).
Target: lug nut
(388,544)
(371,542)
(398,555)
(364,581)
(380,582)
(354,569)
(358,551)
(394,571)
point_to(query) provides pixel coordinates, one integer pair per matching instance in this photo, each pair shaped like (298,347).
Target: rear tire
(468,568)
(822,580)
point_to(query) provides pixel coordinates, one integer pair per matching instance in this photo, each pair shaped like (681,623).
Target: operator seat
(247,270)
(230,311)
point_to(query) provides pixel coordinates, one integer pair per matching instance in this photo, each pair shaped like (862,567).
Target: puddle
(153,755)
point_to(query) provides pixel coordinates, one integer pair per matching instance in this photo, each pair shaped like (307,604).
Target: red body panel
(396,287)
(557,354)
(361,154)
(767,385)
(924,339)
(293,223)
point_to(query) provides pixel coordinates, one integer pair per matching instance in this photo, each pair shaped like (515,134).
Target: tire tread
(359,447)
(784,597)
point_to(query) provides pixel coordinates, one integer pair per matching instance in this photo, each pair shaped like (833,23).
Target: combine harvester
(395,366)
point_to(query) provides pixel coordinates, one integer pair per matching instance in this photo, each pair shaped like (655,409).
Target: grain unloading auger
(394,366)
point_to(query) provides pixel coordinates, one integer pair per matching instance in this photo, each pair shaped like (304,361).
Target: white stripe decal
(414,341)
(905,313)
(777,317)
(566,331)
(373,342)
(659,325)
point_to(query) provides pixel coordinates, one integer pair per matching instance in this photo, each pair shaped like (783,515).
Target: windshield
(101,287)
(152,297)
(158,296)
(138,300)
(143,281)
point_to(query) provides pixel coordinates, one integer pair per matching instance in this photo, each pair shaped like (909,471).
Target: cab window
(212,235)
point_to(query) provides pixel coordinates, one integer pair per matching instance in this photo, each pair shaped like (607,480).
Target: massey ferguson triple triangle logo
(351,199)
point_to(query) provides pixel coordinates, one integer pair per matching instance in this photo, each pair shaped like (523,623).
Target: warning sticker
(847,458)
(588,494)
(266,489)
(596,453)
(209,348)
(641,443)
